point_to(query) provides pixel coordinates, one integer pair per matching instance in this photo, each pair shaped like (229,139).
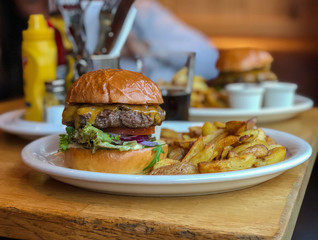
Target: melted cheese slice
(72,112)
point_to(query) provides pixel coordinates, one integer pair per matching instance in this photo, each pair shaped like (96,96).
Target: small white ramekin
(245,95)
(279,94)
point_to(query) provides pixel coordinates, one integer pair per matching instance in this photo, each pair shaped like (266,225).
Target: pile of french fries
(202,95)
(218,147)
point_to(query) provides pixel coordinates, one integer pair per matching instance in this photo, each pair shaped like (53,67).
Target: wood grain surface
(35,206)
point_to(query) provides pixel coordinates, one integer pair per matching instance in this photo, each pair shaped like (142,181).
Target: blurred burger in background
(243,65)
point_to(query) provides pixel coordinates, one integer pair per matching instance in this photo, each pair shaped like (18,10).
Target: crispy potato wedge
(219,124)
(218,147)
(275,155)
(270,140)
(220,133)
(249,135)
(195,131)
(185,143)
(244,146)
(221,144)
(226,151)
(261,136)
(208,128)
(214,99)
(179,168)
(236,127)
(168,133)
(213,150)
(176,153)
(251,123)
(231,164)
(270,147)
(204,155)
(164,162)
(259,150)
(197,146)
(232,154)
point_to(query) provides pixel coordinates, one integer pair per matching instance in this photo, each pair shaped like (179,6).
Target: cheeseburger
(243,65)
(111,117)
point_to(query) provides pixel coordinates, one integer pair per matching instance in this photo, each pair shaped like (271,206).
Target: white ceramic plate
(264,115)
(12,122)
(42,156)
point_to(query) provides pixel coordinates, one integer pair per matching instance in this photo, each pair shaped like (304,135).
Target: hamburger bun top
(242,59)
(109,86)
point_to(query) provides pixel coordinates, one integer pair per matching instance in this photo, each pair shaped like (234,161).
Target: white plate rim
(293,161)
(302,103)
(30,128)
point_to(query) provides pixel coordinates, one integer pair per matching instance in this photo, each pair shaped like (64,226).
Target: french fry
(226,151)
(219,124)
(236,127)
(168,133)
(274,156)
(253,135)
(179,168)
(270,147)
(251,123)
(184,143)
(216,136)
(232,154)
(232,164)
(218,147)
(244,146)
(221,144)
(261,136)
(259,150)
(197,146)
(270,140)
(195,131)
(249,135)
(204,155)
(164,162)
(213,99)
(208,128)
(176,153)
(213,150)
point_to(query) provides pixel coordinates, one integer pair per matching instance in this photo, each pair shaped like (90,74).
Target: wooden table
(34,206)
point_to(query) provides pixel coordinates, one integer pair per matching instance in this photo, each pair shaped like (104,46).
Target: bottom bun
(111,161)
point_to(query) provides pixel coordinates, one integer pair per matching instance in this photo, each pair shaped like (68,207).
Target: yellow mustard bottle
(39,56)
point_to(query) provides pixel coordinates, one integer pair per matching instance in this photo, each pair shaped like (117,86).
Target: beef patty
(119,116)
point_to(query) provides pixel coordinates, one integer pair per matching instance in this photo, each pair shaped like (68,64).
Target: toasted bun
(242,59)
(109,86)
(111,161)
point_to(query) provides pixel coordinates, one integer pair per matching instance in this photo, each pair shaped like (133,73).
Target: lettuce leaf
(65,138)
(94,138)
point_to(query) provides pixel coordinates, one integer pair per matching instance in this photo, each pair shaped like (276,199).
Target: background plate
(12,122)
(263,115)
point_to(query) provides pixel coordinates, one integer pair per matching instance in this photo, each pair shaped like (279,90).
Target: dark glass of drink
(176,104)
(173,73)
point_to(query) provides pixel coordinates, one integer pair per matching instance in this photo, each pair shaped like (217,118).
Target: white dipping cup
(279,94)
(245,95)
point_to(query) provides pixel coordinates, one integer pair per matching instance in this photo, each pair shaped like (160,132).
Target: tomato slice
(131,131)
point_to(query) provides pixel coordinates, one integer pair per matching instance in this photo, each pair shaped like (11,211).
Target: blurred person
(155,29)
